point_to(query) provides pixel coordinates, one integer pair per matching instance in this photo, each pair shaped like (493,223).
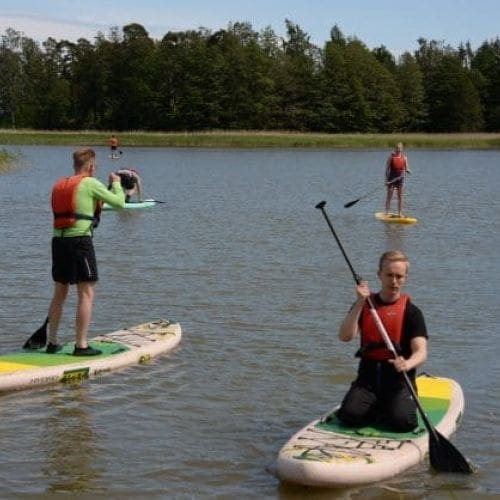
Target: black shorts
(73,260)
(394,174)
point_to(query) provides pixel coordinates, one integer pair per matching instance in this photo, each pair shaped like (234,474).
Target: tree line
(240,79)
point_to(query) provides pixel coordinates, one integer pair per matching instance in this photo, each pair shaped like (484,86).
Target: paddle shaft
(353,202)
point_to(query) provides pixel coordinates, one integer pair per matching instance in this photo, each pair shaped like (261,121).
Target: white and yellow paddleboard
(327,453)
(395,218)
(133,345)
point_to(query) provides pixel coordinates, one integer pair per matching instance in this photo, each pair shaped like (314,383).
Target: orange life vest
(64,203)
(114,142)
(392,317)
(398,163)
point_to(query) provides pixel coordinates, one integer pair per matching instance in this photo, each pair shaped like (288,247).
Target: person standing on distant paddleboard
(76,204)
(395,171)
(113,144)
(379,393)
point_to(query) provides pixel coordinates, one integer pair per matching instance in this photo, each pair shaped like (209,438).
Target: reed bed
(250,139)
(6,160)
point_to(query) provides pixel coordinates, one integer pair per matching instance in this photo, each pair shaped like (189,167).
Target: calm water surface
(241,258)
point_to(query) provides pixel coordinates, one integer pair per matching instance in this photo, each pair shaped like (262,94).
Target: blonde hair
(81,158)
(393,256)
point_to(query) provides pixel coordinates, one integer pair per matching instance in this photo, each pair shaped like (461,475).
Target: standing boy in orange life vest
(379,393)
(395,170)
(113,144)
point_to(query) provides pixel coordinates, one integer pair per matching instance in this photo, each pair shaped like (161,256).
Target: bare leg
(55,310)
(400,201)
(84,311)
(390,189)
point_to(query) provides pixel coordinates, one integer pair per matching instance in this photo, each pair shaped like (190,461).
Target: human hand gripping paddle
(353,202)
(443,455)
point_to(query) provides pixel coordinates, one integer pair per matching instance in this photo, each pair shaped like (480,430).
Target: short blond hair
(81,158)
(393,256)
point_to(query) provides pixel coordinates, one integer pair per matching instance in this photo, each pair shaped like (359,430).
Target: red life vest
(398,163)
(392,317)
(64,203)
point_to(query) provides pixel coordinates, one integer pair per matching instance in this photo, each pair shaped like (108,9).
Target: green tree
(385,58)
(30,111)
(486,62)
(411,85)
(241,75)
(362,93)
(54,100)
(87,77)
(454,102)
(10,76)
(185,75)
(297,78)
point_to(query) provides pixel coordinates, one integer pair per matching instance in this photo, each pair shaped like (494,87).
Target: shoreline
(250,139)
(6,160)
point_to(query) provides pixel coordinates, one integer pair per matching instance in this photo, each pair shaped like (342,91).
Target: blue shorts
(73,260)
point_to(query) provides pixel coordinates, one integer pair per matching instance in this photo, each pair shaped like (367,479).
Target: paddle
(444,457)
(39,338)
(137,202)
(353,202)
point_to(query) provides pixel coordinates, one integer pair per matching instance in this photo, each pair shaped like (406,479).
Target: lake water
(239,256)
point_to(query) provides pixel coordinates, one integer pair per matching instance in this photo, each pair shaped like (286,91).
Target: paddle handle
(321,206)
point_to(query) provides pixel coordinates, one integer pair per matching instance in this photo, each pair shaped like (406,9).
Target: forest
(240,79)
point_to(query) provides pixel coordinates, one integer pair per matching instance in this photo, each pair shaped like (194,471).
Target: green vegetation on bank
(240,79)
(6,160)
(250,139)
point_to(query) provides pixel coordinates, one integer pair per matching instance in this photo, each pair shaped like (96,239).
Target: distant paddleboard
(395,218)
(131,205)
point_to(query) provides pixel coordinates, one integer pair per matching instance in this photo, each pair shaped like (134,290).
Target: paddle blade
(351,203)
(39,338)
(444,457)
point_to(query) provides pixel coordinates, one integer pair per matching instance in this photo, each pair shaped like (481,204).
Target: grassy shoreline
(6,160)
(250,139)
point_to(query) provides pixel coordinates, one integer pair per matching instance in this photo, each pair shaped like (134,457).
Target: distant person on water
(113,143)
(131,183)
(379,393)
(396,168)
(76,205)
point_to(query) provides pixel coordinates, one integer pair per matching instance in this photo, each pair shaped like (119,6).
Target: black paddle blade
(351,203)
(321,205)
(39,338)
(444,457)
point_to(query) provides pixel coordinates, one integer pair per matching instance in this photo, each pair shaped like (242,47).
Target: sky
(395,24)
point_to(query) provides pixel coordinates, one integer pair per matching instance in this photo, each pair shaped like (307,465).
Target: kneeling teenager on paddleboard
(379,393)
